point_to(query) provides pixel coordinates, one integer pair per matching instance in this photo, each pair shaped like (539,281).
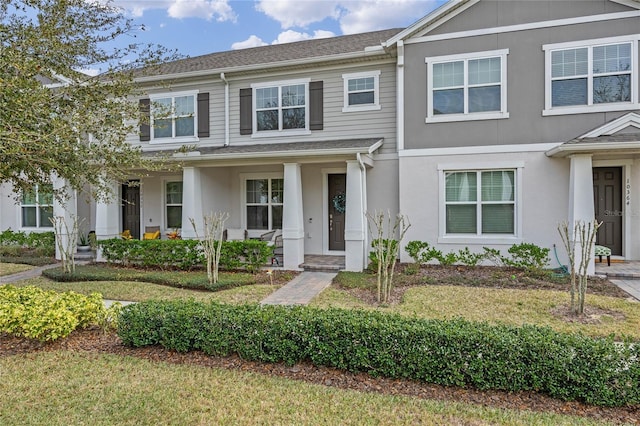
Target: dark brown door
(131,209)
(337,203)
(607,197)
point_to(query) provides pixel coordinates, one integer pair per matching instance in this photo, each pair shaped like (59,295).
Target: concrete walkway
(301,289)
(31,273)
(630,286)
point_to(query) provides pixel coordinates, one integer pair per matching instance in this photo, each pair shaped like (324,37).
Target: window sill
(452,118)
(586,109)
(354,108)
(280,133)
(168,141)
(480,239)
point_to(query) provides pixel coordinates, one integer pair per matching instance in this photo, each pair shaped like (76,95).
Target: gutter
(226,109)
(564,150)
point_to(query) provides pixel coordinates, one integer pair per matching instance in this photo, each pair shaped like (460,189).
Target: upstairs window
(587,77)
(467,87)
(174,117)
(37,207)
(281,107)
(361,91)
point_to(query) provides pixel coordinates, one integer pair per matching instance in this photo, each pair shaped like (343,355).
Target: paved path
(631,286)
(31,273)
(301,289)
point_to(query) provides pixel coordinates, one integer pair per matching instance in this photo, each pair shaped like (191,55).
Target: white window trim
(174,139)
(479,238)
(493,115)
(285,132)
(244,177)
(376,91)
(165,181)
(37,205)
(582,109)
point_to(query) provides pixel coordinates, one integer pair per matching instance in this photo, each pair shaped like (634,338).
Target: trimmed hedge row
(452,352)
(184,254)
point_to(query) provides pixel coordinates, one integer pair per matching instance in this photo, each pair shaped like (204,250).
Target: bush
(527,256)
(47,315)
(34,243)
(373,255)
(446,352)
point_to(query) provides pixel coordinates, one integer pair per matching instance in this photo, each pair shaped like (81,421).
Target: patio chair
(151,233)
(232,234)
(274,239)
(603,251)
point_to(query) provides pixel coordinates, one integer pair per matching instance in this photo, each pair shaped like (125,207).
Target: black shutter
(246,113)
(203,115)
(316,105)
(145,118)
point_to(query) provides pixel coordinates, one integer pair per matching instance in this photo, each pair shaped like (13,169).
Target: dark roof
(619,137)
(275,53)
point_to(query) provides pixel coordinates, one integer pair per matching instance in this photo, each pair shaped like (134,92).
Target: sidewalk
(32,273)
(301,289)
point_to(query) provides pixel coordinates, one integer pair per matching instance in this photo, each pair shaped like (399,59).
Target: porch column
(191,202)
(292,217)
(108,218)
(67,209)
(581,196)
(354,229)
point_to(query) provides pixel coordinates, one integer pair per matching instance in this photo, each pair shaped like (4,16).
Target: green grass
(67,388)
(12,268)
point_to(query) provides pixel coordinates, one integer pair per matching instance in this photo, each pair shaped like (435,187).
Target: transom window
(264,203)
(467,87)
(480,202)
(37,207)
(174,117)
(281,107)
(173,204)
(583,77)
(361,91)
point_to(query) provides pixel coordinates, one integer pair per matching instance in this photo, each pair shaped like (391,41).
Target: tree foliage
(55,119)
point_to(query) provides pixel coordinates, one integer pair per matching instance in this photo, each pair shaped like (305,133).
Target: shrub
(373,255)
(46,315)
(39,243)
(527,256)
(446,352)
(469,259)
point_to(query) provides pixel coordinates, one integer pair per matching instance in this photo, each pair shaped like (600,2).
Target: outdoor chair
(231,234)
(151,233)
(274,239)
(603,251)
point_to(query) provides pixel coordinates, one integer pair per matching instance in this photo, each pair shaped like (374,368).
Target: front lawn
(13,268)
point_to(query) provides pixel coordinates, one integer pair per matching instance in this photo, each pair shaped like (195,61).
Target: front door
(337,184)
(607,197)
(131,209)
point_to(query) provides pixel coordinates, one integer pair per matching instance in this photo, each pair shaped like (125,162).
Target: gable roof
(307,51)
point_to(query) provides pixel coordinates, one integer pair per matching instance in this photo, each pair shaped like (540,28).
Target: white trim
(325,209)
(37,206)
(480,166)
(471,150)
(376,91)
(280,132)
(174,139)
(400,98)
(466,115)
(525,27)
(631,119)
(590,107)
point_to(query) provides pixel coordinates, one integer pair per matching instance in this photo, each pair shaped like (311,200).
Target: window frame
(479,237)
(376,91)
(253,232)
(590,107)
(165,204)
(280,131)
(173,139)
(466,115)
(38,206)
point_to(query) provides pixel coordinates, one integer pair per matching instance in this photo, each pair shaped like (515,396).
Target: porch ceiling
(625,143)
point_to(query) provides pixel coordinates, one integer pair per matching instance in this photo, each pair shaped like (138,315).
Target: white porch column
(354,229)
(67,209)
(191,202)
(581,206)
(292,217)
(108,218)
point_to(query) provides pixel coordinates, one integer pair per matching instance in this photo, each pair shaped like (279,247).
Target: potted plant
(83,244)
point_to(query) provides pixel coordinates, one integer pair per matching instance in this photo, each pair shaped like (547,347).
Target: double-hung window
(174,117)
(264,202)
(281,107)
(480,202)
(37,207)
(467,87)
(361,91)
(596,75)
(173,204)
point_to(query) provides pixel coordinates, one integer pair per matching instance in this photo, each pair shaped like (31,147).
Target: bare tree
(66,240)
(212,241)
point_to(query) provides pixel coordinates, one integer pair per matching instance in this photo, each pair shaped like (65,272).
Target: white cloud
(252,41)
(299,13)
(220,10)
(363,16)
(290,36)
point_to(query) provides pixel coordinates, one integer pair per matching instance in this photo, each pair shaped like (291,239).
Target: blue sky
(196,27)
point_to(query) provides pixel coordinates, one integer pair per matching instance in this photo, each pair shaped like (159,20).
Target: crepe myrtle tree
(55,119)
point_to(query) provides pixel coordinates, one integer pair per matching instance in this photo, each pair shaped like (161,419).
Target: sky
(197,27)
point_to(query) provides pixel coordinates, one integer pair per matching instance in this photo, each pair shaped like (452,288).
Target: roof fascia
(432,20)
(566,150)
(629,3)
(630,119)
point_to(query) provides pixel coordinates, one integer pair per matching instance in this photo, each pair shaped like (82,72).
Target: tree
(211,241)
(56,121)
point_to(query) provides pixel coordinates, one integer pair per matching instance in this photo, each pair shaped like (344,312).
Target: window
(173,203)
(281,107)
(361,91)
(264,198)
(37,207)
(480,202)
(595,76)
(174,117)
(467,87)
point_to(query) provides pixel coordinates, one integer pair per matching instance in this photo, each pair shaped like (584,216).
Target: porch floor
(315,262)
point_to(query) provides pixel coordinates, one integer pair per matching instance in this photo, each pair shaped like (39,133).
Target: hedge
(445,352)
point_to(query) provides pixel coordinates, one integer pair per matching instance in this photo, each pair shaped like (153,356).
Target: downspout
(364,205)
(226,109)
(400,98)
